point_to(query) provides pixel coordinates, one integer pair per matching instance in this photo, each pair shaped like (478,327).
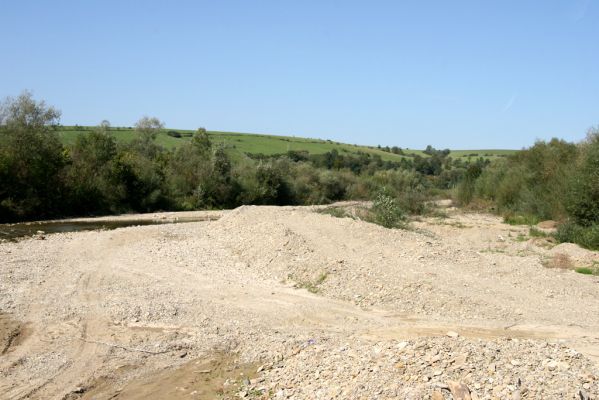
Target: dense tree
(90,174)
(583,199)
(31,159)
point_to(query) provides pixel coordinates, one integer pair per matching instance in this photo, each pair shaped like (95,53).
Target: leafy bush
(583,201)
(174,134)
(532,182)
(585,236)
(386,212)
(413,201)
(466,187)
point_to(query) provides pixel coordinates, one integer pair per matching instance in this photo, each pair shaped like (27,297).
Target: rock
(437,395)
(402,345)
(453,334)
(548,226)
(516,395)
(459,360)
(551,365)
(563,365)
(583,395)
(459,391)
(497,390)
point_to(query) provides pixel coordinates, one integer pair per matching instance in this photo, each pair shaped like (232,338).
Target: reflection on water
(15,231)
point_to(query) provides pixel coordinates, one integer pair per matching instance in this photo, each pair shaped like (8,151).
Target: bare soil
(284,302)
(10,330)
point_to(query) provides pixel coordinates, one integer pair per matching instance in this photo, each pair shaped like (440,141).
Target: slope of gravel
(416,369)
(326,307)
(415,272)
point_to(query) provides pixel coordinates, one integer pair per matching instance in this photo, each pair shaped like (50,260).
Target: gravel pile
(440,271)
(427,368)
(327,308)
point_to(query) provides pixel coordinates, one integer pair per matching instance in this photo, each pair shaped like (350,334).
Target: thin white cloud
(579,10)
(509,103)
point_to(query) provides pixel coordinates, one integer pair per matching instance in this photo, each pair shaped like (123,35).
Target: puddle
(219,377)
(12,232)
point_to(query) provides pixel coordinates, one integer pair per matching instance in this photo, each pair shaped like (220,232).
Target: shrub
(585,236)
(583,202)
(559,260)
(386,212)
(533,182)
(174,134)
(413,201)
(466,188)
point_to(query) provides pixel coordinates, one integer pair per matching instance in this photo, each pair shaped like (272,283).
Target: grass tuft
(535,232)
(520,219)
(586,271)
(337,212)
(560,261)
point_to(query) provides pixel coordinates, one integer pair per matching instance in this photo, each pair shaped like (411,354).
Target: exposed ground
(271,302)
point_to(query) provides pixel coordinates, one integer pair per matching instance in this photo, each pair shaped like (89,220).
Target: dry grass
(559,260)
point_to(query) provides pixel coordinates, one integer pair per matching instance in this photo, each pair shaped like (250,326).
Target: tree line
(553,180)
(41,178)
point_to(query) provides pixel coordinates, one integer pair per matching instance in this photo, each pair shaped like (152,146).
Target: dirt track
(323,307)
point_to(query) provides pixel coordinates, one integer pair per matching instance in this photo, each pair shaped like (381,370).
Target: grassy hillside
(243,143)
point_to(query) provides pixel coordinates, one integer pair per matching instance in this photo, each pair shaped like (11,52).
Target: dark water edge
(13,232)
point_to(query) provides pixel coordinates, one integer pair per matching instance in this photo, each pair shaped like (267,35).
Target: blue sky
(459,74)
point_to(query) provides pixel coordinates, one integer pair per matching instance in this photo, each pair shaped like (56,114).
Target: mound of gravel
(408,271)
(117,306)
(430,368)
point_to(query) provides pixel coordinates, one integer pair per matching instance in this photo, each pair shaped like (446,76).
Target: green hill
(243,143)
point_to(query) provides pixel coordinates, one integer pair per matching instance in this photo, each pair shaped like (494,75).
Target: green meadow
(253,143)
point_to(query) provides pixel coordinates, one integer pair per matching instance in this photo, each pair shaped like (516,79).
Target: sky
(453,74)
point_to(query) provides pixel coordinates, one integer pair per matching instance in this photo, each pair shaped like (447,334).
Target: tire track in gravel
(151,287)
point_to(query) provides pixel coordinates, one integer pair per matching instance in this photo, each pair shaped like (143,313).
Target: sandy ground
(284,302)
